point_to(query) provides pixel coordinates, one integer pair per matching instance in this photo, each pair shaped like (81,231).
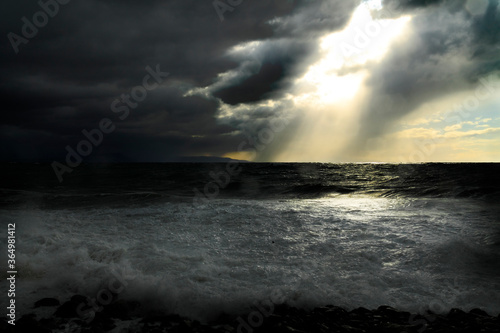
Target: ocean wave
(143,184)
(407,253)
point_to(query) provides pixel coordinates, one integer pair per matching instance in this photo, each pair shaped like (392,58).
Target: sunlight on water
(349,251)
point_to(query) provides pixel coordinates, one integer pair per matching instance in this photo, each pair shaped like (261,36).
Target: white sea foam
(228,254)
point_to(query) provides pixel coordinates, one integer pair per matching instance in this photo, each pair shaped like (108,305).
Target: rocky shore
(129,316)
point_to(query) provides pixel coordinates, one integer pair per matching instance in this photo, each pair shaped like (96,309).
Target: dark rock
(282,319)
(271,321)
(221,328)
(384,308)
(78,305)
(6,327)
(182,327)
(121,309)
(289,329)
(336,312)
(442,320)
(492,327)
(457,314)
(47,302)
(163,319)
(27,323)
(321,327)
(68,326)
(359,322)
(222,319)
(48,322)
(386,311)
(102,322)
(93,330)
(479,312)
(361,312)
(350,329)
(396,328)
(393,315)
(67,310)
(282,309)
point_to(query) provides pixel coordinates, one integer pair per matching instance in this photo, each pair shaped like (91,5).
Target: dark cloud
(405,4)
(66,77)
(272,73)
(91,52)
(256,87)
(251,93)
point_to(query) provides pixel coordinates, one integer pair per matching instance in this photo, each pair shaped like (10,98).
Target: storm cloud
(64,78)
(228,79)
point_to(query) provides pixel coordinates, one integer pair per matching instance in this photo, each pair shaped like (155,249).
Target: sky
(265,81)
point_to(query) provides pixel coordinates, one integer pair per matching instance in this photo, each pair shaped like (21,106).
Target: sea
(204,239)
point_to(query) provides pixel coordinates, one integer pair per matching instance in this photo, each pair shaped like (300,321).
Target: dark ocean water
(202,239)
(126,184)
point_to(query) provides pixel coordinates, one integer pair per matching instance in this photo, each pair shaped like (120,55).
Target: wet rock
(478,312)
(78,305)
(102,322)
(272,321)
(361,312)
(222,328)
(47,302)
(28,323)
(457,314)
(6,327)
(350,329)
(282,309)
(48,322)
(283,319)
(393,315)
(67,310)
(222,319)
(336,313)
(121,309)
(397,328)
(79,299)
(162,319)
(182,327)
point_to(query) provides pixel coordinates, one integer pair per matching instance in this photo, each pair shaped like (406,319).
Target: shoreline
(130,316)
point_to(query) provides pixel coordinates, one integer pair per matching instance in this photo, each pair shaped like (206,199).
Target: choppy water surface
(414,237)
